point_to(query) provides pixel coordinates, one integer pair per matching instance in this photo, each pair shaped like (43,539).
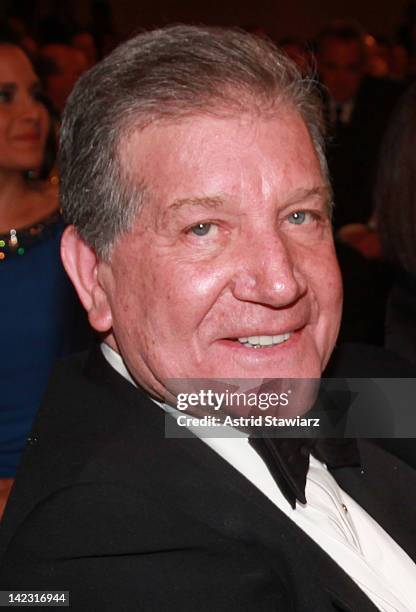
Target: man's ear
(82,265)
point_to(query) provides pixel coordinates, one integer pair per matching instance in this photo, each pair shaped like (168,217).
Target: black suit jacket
(106,507)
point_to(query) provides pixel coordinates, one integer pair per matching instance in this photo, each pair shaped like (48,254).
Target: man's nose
(269,273)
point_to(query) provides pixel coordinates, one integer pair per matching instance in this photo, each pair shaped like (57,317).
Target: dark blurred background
(298,18)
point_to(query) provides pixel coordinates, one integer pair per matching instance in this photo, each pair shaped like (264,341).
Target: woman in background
(39,313)
(395,198)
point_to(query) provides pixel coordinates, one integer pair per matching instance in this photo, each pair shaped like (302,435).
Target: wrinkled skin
(234,240)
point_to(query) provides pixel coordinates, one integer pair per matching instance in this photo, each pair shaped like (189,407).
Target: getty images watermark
(227,402)
(321,408)
(224,408)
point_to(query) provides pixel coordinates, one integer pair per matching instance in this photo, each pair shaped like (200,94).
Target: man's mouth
(264,341)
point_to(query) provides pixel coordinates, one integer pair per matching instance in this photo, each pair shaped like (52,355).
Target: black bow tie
(288,460)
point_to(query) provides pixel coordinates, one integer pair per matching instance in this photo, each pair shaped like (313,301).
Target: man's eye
(298,218)
(201,229)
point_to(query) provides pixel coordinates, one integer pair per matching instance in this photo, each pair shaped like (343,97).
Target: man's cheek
(203,284)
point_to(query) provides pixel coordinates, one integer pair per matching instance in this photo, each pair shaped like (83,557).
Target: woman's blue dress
(41,320)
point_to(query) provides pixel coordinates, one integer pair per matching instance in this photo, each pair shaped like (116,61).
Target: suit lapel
(187,474)
(224,497)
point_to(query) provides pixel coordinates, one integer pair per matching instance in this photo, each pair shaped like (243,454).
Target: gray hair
(168,73)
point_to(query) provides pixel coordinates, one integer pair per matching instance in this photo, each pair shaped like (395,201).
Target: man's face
(341,66)
(229,270)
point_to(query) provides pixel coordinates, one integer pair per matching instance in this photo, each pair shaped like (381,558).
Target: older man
(195,181)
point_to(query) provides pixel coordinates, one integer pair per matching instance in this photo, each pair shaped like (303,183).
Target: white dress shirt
(340,526)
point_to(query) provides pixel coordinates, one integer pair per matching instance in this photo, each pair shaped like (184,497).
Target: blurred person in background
(62,67)
(395,199)
(378,56)
(83,40)
(39,311)
(399,63)
(298,53)
(61,62)
(386,59)
(20,29)
(357,108)
(396,221)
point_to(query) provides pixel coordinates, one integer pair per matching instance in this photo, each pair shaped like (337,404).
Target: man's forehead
(135,148)
(177,186)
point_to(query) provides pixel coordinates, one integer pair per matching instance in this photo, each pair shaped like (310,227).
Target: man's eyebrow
(298,195)
(218,201)
(204,201)
(322,192)
(211,202)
